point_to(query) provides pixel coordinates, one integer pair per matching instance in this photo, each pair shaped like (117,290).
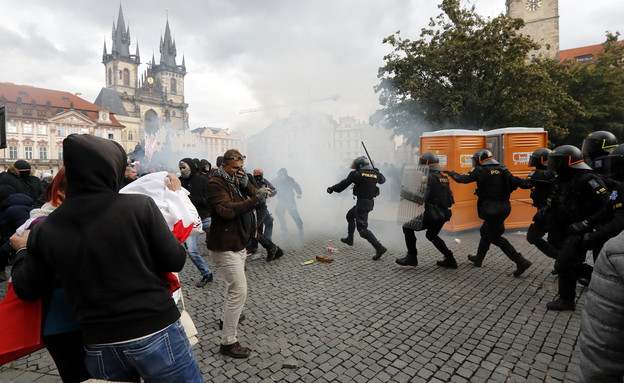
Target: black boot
(522,264)
(476,259)
(379,251)
(347,240)
(448,262)
(560,305)
(410,259)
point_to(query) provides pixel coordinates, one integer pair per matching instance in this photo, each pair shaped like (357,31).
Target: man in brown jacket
(233,200)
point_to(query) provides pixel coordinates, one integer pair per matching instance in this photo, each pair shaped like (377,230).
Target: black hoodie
(107,248)
(196,185)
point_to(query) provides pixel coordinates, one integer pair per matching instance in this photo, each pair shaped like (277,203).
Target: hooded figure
(19,178)
(286,201)
(108,250)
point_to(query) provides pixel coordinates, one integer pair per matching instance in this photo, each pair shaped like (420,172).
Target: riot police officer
(613,167)
(438,200)
(365,179)
(542,180)
(595,145)
(494,186)
(577,204)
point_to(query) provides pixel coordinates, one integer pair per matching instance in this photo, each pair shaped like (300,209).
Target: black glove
(577,227)
(330,190)
(588,240)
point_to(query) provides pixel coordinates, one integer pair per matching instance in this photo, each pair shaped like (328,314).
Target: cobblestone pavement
(357,320)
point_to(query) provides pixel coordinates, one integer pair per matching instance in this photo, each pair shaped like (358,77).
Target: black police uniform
(543,183)
(576,207)
(494,186)
(438,201)
(365,189)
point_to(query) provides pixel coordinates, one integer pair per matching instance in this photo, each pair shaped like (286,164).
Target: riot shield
(412,201)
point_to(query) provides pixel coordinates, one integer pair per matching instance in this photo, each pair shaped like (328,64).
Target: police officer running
(597,144)
(365,179)
(494,186)
(579,199)
(438,200)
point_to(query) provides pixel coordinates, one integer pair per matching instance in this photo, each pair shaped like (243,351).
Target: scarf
(231,179)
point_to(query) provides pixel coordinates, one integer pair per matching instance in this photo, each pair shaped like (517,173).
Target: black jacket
(31,185)
(107,248)
(365,183)
(196,185)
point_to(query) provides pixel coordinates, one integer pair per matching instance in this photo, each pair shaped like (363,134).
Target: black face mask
(258,178)
(24,173)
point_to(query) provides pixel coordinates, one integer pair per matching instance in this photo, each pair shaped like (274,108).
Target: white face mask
(184,169)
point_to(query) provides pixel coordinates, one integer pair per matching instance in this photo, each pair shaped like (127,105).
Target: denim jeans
(191,249)
(232,268)
(164,357)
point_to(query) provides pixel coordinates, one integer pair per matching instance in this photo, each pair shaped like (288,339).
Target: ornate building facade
(39,119)
(541,18)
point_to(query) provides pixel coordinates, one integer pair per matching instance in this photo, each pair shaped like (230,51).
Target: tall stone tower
(541,19)
(152,101)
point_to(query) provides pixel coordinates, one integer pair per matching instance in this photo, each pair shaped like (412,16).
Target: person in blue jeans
(109,251)
(195,183)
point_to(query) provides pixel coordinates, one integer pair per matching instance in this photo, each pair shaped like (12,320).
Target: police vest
(542,189)
(494,185)
(570,204)
(440,191)
(366,184)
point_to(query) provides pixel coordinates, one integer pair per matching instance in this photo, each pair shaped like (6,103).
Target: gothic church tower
(541,19)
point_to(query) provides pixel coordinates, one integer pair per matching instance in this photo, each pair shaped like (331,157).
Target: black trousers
(68,353)
(571,266)
(357,217)
(432,234)
(492,233)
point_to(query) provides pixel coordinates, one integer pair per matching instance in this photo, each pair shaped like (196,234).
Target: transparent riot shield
(412,201)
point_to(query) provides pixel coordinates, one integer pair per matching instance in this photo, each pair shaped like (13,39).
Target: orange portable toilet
(512,147)
(455,148)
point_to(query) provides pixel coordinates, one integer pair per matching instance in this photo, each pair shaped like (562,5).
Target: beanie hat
(21,165)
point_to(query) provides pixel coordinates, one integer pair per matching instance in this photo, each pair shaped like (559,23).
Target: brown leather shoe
(235,350)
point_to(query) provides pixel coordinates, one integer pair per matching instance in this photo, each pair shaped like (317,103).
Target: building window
(28,152)
(126,77)
(60,131)
(12,152)
(120,75)
(111,136)
(60,152)
(27,128)
(130,136)
(42,129)
(43,153)
(98,132)
(73,129)
(110,77)
(12,127)
(84,130)
(173,85)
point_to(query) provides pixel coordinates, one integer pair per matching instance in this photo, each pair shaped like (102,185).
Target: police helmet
(430,159)
(539,158)
(598,143)
(483,157)
(613,164)
(566,157)
(361,163)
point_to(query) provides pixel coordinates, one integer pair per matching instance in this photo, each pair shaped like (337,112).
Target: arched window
(151,122)
(173,86)
(126,77)
(110,77)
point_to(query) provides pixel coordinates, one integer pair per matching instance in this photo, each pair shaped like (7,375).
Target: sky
(273,55)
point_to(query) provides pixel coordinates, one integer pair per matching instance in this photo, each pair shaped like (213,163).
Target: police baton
(368,155)
(528,203)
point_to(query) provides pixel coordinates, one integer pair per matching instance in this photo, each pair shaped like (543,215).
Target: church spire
(167,49)
(121,37)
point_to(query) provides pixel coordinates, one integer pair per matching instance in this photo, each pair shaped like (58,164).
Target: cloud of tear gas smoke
(317,151)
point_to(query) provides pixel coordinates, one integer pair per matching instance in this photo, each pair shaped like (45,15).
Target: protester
(19,177)
(286,201)
(130,175)
(109,250)
(233,200)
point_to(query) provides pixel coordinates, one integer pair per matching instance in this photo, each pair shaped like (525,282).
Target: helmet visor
(592,146)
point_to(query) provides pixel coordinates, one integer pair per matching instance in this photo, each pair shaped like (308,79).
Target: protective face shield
(185,170)
(598,143)
(483,157)
(539,158)
(613,164)
(564,158)
(431,160)
(360,163)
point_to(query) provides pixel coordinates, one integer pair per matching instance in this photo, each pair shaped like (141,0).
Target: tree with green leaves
(470,73)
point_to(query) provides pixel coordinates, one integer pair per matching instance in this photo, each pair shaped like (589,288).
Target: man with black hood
(109,249)
(196,185)
(19,178)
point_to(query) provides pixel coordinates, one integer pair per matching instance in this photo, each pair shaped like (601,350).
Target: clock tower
(541,19)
